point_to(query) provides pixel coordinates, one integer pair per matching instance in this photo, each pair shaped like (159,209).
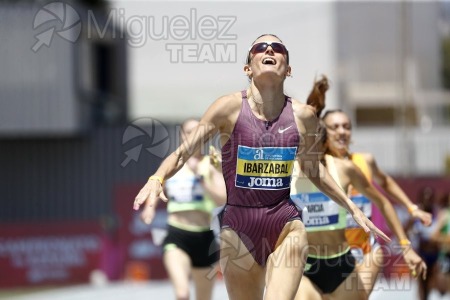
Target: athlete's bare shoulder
(224,111)
(345,164)
(305,117)
(346,168)
(302,111)
(228,103)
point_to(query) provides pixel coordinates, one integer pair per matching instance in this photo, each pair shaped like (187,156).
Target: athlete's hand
(415,262)
(215,158)
(149,194)
(147,214)
(423,216)
(367,225)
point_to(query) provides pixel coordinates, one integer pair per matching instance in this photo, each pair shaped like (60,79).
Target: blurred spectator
(447,164)
(421,241)
(441,235)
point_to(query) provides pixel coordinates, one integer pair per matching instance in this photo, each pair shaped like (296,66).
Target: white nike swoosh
(281,130)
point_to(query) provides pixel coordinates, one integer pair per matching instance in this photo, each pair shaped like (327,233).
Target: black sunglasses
(262,47)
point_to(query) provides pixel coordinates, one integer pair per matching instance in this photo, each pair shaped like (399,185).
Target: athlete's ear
(248,71)
(289,71)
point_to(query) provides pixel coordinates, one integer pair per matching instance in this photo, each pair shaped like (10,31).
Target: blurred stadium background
(91,93)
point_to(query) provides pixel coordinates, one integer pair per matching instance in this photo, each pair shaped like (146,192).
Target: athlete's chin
(340,148)
(270,76)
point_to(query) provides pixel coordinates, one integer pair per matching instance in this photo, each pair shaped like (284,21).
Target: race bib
(266,168)
(320,212)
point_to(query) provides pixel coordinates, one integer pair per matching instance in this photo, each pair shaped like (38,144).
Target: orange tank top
(356,236)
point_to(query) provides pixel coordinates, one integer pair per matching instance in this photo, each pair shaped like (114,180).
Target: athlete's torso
(257,159)
(324,219)
(186,192)
(320,213)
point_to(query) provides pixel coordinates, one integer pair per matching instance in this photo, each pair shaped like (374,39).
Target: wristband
(404,242)
(158,178)
(412,208)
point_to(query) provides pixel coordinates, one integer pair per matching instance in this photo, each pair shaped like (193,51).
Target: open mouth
(342,141)
(269,61)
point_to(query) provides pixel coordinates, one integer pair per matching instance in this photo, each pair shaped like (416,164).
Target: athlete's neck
(340,153)
(266,102)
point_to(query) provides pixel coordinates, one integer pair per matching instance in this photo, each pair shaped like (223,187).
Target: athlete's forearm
(390,215)
(329,187)
(397,194)
(170,165)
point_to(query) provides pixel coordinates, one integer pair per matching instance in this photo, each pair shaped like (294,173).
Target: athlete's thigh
(178,266)
(351,288)
(307,290)
(244,277)
(370,267)
(204,282)
(286,264)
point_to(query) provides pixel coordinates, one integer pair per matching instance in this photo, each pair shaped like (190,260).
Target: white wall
(429,149)
(169,91)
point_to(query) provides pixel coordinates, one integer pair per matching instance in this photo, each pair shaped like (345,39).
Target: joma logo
(265,182)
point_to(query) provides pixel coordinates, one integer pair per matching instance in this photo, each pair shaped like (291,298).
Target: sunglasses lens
(278,48)
(259,48)
(262,47)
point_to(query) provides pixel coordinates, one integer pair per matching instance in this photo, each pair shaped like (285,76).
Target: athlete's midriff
(257,167)
(326,243)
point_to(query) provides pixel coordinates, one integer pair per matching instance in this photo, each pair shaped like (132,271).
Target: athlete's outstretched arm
(393,189)
(307,124)
(360,182)
(209,125)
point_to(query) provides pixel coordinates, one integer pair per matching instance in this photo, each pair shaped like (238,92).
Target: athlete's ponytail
(316,97)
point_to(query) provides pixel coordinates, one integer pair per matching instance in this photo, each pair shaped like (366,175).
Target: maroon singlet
(257,163)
